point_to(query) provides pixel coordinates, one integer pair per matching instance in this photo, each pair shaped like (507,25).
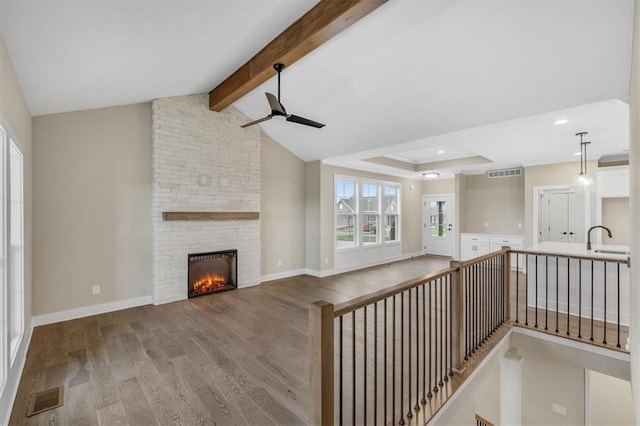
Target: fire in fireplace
(212,272)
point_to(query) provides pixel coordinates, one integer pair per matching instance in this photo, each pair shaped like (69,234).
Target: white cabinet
(515,243)
(474,245)
(613,182)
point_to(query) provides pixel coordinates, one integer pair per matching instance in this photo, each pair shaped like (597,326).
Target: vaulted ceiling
(393,84)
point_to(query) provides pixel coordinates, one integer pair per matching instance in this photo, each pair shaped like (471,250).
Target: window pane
(390,200)
(16,250)
(391,228)
(369,209)
(369,198)
(438,223)
(370,229)
(345,213)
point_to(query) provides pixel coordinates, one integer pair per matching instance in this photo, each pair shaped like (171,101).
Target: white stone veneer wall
(202,161)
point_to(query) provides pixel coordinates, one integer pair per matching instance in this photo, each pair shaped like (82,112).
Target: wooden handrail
(483,421)
(570,256)
(368,299)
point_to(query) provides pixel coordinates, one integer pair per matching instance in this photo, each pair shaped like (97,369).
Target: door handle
(564,233)
(572,233)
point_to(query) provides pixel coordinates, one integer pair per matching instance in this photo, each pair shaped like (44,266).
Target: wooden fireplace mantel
(210,215)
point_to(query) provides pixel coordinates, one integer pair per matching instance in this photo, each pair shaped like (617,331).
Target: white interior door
(558,217)
(438,215)
(577,221)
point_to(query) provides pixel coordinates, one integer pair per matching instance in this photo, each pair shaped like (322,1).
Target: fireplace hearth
(212,272)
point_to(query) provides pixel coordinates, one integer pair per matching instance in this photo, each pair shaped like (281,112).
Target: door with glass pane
(438,216)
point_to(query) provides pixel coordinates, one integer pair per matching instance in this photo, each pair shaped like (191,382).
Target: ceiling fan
(278,110)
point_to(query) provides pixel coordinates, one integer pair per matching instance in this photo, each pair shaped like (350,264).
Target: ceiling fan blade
(260,120)
(305,121)
(276,107)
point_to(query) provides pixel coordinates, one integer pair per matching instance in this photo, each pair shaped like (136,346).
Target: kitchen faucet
(589,234)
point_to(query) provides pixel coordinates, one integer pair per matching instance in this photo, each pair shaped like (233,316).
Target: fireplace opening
(212,272)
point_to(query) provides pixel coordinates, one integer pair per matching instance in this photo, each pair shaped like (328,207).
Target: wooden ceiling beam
(321,23)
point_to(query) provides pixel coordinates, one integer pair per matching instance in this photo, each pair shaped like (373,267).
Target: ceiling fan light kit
(278,110)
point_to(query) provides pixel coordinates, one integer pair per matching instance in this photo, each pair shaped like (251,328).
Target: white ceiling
(75,55)
(410,78)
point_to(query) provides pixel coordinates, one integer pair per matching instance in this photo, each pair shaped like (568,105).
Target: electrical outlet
(486,224)
(559,409)
(279,262)
(95,290)
(326,260)
(519,225)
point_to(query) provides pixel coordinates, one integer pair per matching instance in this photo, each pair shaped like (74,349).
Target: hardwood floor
(239,357)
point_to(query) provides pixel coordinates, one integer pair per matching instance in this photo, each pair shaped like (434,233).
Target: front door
(438,216)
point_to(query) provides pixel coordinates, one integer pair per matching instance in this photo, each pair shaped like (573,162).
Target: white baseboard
(86,311)
(8,395)
(349,268)
(280,275)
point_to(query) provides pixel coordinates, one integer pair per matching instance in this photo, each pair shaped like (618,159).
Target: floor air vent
(492,174)
(46,400)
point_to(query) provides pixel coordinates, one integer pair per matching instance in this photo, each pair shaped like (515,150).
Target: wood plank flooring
(238,357)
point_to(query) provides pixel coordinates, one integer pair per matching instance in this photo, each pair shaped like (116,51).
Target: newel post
(506,265)
(457,316)
(321,363)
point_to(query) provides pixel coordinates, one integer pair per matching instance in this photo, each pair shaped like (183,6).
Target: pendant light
(582,181)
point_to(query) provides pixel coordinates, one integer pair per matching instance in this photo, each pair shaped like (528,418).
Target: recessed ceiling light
(440,151)
(431,175)
(577,154)
(561,122)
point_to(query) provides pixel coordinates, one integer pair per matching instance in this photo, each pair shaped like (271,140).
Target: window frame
(9,348)
(359,181)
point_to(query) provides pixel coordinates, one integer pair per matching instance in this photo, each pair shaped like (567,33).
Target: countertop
(580,249)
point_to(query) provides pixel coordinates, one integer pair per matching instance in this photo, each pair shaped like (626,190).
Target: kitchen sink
(621,252)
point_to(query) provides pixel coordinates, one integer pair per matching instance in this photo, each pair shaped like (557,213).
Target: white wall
(16,118)
(634,157)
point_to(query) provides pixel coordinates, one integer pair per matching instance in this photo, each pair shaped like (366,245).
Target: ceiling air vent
(505,173)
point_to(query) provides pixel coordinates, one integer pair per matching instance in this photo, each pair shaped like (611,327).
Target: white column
(634,157)
(511,388)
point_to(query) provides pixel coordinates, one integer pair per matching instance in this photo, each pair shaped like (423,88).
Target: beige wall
(615,215)
(92,207)
(438,186)
(16,118)
(547,175)
(606,392)
(498,202)
(411,206)
(549,376)
(488,396)
(281,208)
(312,223)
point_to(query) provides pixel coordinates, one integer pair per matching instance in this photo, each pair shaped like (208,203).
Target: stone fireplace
(204,166)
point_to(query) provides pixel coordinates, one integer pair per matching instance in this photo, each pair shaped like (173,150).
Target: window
(16,250)
(11,252)
(390,206)
(345,213)
(367,213)
(370,208)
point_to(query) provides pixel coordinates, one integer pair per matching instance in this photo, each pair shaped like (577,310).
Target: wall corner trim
(86,311)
